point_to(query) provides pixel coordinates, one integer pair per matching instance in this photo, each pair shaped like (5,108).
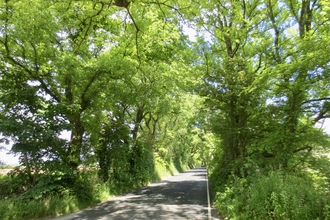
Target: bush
(49,185)
(142,164)
(274,196)
(86,188)
(14,183)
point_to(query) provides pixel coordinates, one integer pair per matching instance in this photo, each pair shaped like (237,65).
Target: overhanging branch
(316,100)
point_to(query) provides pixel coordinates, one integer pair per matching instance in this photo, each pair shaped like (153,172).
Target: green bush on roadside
(277,195)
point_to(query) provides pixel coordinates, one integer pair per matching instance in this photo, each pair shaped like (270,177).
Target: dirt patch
(5,171)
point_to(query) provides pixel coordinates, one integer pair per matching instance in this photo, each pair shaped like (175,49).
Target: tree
(295,93)
(262,93)
(78,66)
(231,65)
(46,48)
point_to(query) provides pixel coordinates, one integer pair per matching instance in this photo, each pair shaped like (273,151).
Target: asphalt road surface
(183,196)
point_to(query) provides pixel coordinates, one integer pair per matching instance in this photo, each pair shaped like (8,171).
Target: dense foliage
(137,95)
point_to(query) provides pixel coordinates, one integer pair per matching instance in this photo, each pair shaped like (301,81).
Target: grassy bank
(51,198)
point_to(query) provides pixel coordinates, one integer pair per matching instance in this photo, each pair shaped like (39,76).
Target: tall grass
(52,206)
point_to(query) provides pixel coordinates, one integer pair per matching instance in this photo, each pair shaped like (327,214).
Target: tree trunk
(28,168)
(73,154)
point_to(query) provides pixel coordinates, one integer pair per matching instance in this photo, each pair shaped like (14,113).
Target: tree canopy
(129,85)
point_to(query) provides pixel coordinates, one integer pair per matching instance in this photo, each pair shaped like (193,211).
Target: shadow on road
(178,197)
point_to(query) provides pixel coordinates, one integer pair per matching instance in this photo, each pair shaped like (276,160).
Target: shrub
(49,185)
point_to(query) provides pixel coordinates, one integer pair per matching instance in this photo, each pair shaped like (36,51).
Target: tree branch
(316,100)
(84,100)
(309,148)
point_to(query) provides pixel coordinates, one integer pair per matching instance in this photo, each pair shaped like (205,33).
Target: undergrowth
(297,195)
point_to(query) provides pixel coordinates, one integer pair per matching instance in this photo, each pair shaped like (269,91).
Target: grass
(52,206)
(4,178)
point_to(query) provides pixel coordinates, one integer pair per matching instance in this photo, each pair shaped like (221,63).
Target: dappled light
(178,197)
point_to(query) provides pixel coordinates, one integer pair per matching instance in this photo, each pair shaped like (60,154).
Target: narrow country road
(183,196)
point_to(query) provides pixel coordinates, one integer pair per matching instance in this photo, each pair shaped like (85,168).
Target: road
(183,196)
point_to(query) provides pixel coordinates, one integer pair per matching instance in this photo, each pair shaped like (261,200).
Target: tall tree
(232,63)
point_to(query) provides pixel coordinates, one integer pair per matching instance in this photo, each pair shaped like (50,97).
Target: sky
(10,159)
